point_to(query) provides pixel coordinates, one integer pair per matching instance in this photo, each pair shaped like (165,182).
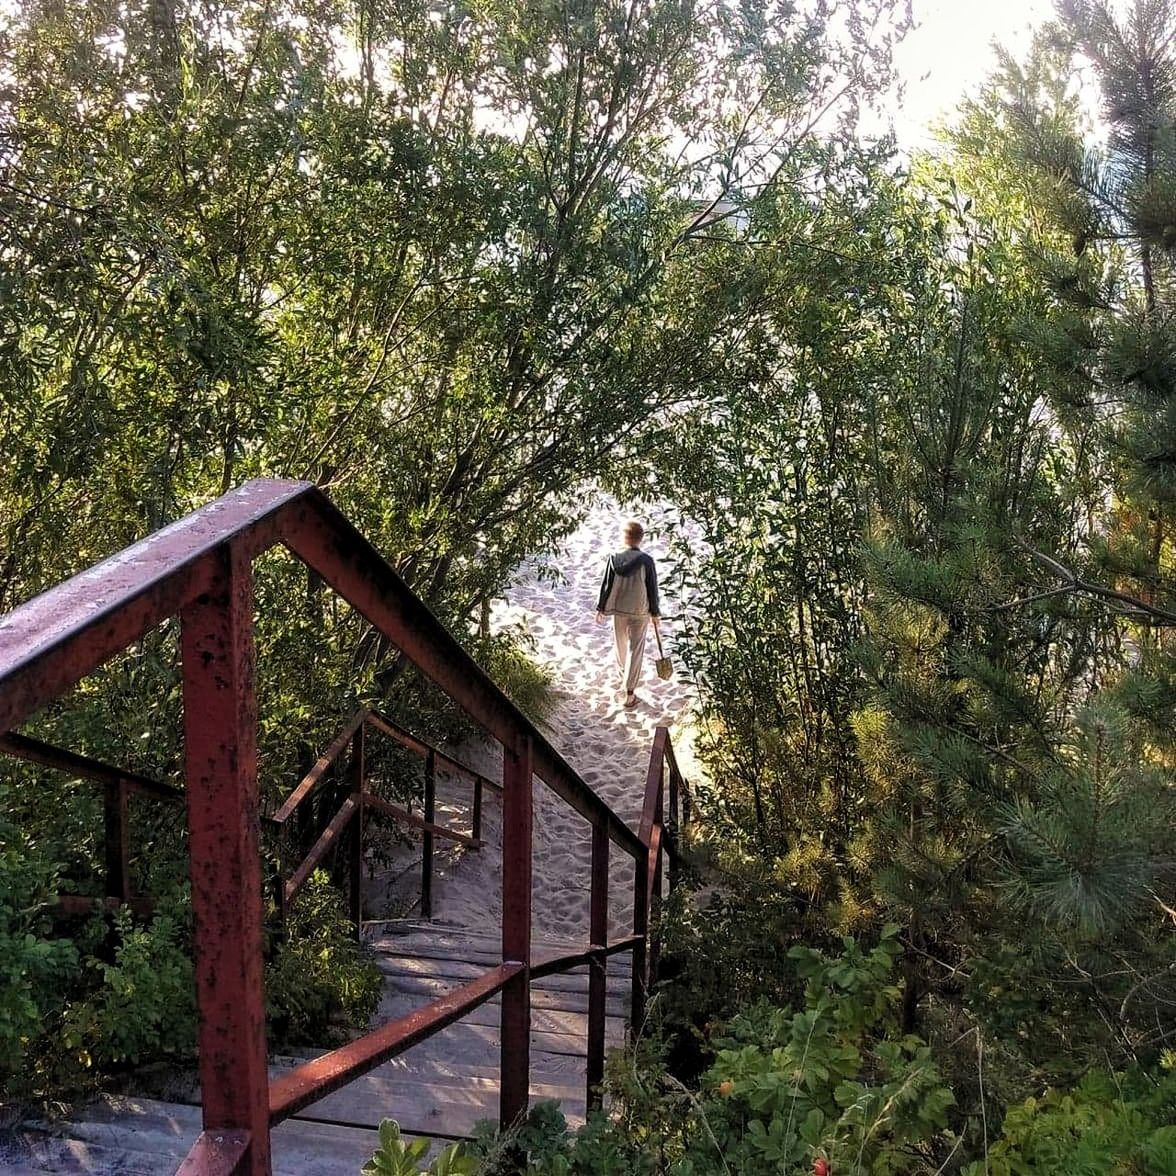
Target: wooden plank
(567,1031)
(215,1153)
(567,1021)
(392,1081)
(455,1063)
(421,934)
(573,980)
(478,1034)
(556,1001)
(420,1105)
(43,1152)
(299,1087)
(146,1136)
(392,935)
(482,952)
(302,1147)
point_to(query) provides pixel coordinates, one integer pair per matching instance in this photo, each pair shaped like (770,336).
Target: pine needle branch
(1074,583)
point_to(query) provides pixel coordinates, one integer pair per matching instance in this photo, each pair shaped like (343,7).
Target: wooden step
(481,1042)
(560,1000)
(483,953)
(145,1137)
(423,1104)
(439,1089)
(392,963)
(553,1030)
(454,1065)
(63,1154)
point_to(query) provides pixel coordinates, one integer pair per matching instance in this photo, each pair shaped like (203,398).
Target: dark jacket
(630,584)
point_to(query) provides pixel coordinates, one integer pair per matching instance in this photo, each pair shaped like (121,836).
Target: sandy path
(608,745)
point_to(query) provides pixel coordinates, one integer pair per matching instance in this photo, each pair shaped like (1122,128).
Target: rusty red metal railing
(200,568)
(118,786)
(362,805)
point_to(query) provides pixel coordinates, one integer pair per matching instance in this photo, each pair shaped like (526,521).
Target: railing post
(220,752)
(516,932)
(280,888)
(427,838)
(598,968)
(675,823)
(656,900)
(358,785)
(477,829)
(118,865)
(655,911)
(641,928)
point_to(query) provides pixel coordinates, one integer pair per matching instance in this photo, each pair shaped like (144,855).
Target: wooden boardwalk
(439,1089)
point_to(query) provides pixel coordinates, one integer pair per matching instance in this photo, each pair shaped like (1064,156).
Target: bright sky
(950,54)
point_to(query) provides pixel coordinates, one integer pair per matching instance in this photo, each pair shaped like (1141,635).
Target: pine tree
(1109,263)
(1022,711)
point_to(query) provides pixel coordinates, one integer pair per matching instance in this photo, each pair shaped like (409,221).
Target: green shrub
(36,966)
(1109,1123)
(833,1078)
(143,1006)
(527,684)
(543,1145)
(398,1157)
(716,960)
(319,981)
(117,995)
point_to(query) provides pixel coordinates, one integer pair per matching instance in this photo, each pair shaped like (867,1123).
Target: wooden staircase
(476,1024)
(439,1089)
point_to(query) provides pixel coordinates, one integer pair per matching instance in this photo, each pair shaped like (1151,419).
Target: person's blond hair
(634,531)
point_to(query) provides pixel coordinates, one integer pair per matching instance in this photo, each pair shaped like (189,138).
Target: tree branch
(1074,583)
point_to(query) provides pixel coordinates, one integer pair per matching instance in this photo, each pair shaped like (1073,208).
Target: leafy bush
(543,1145)
(1108,1123)
(71,1011)
(833,1080)
(526,683)
(397,1157)
(35,965)
(716,960)
(144,1005)
(319,981)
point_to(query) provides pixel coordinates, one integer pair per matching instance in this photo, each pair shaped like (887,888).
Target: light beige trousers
(630,631)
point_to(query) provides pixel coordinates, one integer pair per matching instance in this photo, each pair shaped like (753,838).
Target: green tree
(443,261)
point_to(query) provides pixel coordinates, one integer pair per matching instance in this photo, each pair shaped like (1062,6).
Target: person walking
(628,594)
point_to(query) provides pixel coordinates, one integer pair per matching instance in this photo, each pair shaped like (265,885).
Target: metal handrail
(55,639)
(404,817)
(362,801)
(593,953)
(418,745)
(200,569)
(35,751)
(117,786)
(333,831)
(315,1079)
(308,782)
